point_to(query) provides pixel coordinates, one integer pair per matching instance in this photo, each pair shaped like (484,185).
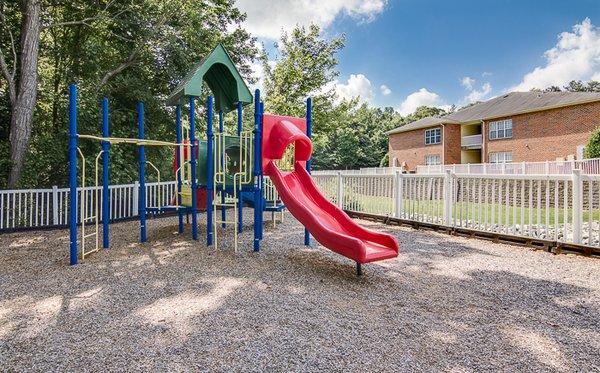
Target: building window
(501,157)
(433,136)
(501,129)
(433,159)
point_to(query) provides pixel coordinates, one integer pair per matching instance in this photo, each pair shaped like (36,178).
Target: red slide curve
(327,223)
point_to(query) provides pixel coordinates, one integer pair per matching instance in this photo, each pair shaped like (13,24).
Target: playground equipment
(223,172)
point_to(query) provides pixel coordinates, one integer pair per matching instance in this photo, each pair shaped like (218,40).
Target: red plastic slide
(326,222)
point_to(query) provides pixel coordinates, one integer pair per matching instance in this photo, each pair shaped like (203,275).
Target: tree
(592,150)
(306,64)
(359,139)
(552,88)
(21,80)
(573,86)
(20,70)
(128,51)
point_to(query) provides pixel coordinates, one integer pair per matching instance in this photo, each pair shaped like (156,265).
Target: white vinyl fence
(30,208)
(563,208)
(587,167)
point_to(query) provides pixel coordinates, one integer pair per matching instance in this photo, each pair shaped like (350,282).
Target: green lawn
(506,215)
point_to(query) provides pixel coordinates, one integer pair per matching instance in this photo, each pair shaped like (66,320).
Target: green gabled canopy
(220,74)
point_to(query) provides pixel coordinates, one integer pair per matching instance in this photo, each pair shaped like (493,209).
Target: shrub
(592,149)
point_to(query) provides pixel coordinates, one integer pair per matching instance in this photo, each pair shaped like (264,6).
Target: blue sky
(445,52)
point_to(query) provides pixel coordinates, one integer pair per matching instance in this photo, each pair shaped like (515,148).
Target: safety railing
(562,208)
(36,208)
(587,167)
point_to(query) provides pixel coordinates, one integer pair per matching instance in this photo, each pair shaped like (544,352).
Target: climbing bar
(126,140)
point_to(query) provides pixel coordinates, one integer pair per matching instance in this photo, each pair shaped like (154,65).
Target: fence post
(136,197)
(523,167)
(340,188)
(577,206)
(448,198)
(54,205)
(547,168)
(399,193)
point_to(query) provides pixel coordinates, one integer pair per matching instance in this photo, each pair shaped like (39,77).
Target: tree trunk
(24,105)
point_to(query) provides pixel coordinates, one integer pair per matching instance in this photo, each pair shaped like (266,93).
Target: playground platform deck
(445,304)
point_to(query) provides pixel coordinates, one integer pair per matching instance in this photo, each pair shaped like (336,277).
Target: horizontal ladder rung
(89,218)
(90,235)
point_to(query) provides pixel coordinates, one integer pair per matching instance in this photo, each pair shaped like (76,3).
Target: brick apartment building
(516,127)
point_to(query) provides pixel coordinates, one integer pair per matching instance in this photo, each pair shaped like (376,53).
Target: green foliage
(306,64)
(359,139)
(346,134)
(592,149)
(137,51)
(127,51)
(574,86)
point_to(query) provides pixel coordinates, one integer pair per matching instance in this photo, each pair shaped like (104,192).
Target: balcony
(472,142)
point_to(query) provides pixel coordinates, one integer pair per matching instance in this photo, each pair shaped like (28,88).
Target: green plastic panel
(232,149)
(222,77)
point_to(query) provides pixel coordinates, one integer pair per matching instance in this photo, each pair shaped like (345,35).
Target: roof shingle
(504,106)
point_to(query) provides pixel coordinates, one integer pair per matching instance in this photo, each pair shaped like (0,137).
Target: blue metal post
(142,170)
(262,201)
(257,172)
(209,171)
(73,173)
(308,163)
(221,130)
(105,181)
(193,166)
(240,200)
(179,163)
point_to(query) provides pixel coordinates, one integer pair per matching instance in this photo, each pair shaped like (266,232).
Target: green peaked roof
(222,77)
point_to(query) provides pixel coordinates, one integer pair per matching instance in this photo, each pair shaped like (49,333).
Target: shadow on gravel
(174,304)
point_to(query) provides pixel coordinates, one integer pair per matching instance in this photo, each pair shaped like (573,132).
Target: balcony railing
(471,141)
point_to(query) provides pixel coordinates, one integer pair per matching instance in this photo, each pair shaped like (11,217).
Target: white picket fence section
(563,208)
(587,167)
(30,208)
(363,171)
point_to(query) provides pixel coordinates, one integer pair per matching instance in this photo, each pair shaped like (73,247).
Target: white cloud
(266,18)
(486,74)
(385,90)
(467,82)
(478,95)
(422,97)
(475,94)
(258,70)
(356,86)
(576,56)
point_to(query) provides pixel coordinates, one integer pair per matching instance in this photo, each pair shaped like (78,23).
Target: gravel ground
(445,304)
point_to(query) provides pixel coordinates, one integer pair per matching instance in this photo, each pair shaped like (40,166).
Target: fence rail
(587,167)
(563,208)
(32,208)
